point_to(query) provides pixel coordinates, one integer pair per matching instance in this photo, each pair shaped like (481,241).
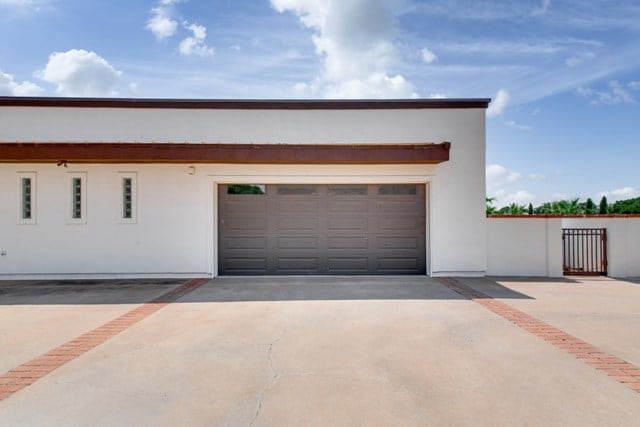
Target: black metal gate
(584,251)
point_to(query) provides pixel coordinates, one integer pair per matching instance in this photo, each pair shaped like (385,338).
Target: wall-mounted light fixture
(62,163)
(191,170)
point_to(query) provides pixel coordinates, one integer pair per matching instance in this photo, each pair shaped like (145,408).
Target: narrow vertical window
(127,205)
(26,199)
(76,198)
(127,198)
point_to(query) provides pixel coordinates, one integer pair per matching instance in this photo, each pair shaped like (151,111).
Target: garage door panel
(411,207)
(244,264)
(245,242)
(399,264)
(343,264)
(342,242)
(396,242)
(298,224)
(245,204)
(297,242)
(348,206)
(400,223)
(348,223)
(245,222)
(297,264)
(309,206)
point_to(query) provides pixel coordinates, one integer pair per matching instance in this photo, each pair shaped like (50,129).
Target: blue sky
(564,75)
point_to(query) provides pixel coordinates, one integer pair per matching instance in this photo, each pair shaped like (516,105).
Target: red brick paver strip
(30,372)
(620,370)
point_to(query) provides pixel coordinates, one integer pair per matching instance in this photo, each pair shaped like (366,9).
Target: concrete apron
(312,351)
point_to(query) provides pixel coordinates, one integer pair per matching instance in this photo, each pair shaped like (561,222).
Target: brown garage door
(321,229)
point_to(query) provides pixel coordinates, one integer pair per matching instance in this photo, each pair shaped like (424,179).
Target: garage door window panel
(246,189)
(297,190)
(398,190)
(347,190)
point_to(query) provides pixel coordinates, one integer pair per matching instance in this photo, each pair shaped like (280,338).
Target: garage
(305,229)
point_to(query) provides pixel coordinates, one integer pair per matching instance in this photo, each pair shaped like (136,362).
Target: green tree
(545,209)
(490,208)
(530,209)
(566,207)
(589,207)
(515,209)
(604,207)
(629,206)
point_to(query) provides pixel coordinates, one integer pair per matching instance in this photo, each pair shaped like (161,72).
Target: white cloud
(354,38)
(428,56)
(584,91)
(499,181)
(514,125)
(520,197)
(161,24)
(499,103)
(575,60)
(377,85)
(195,44)
(437,95)
(542,9)
(8,86)
(498,174)
(619,194)
(615,93)
(78,72)
(19,3)
(537,176)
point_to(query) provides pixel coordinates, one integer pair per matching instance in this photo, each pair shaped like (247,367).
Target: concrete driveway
(320,351)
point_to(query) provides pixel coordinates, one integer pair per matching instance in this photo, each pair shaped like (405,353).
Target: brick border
(620,370)
(30,372)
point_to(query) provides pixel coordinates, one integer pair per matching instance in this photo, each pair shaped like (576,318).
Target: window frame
(83,197)
(133,176)
(32,176)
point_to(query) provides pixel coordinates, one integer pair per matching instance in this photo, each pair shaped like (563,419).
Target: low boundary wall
(532,245)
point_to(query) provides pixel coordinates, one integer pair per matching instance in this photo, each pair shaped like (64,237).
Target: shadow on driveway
(237,289)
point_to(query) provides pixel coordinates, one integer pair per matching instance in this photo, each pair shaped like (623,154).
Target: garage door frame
(216,180)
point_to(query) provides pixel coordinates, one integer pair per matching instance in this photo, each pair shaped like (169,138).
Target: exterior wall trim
(249,104)
(63,153)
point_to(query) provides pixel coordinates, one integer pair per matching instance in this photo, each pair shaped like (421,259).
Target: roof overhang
(127,152)
(247,104)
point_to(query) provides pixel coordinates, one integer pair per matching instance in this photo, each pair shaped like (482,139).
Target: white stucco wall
(174,233)
(533,246)
(524,247)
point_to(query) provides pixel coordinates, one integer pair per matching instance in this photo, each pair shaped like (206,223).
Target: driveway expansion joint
(30,372)
(620,370)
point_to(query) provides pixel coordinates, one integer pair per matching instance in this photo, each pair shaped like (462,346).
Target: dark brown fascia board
(96,152)
(245,104)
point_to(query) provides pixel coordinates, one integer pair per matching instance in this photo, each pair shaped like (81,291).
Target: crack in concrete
(272,380)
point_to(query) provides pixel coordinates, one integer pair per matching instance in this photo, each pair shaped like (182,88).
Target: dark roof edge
(246,104)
